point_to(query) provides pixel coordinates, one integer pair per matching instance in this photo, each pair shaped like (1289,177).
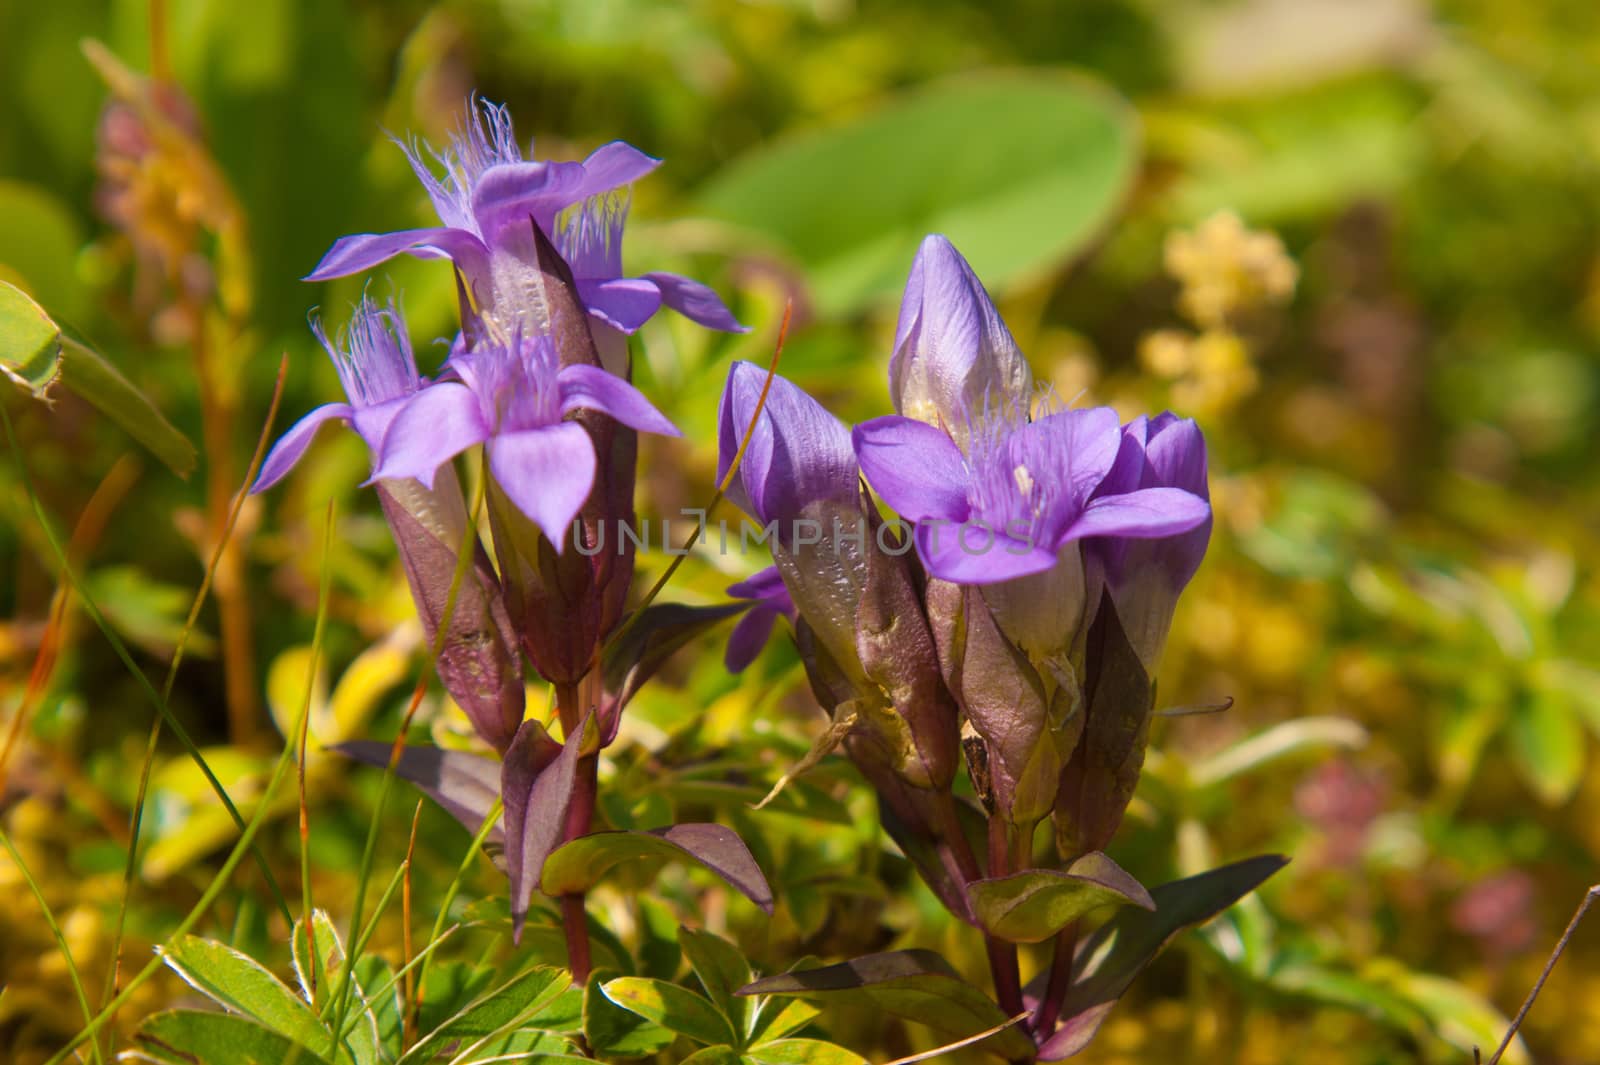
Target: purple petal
(915,467)
(766,586)
(547,473)
(625,303)
(372,423)
(511,193)
(1175,455)
(953,355)
(601,390)
(351,255)
(292,444)
(614,164)
(436,425)
(748,637)
(799,454)
(696,302)
(1147,514)
(966,554)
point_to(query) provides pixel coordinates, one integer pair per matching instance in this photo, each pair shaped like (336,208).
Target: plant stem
(1060,981)
(1003,964)
(573,706)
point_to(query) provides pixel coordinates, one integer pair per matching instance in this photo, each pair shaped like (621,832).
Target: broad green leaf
(722,970)
(1547,746)
(917,985)
(1032,906)
(240,984)
(1117,951)
(184,1037)
(675,1008)
(614,1032)
(36,351)
(575,867)
(1457,1014)
(373,975)
(802,1052)
(447,988)
(1019,169)
(518,1000)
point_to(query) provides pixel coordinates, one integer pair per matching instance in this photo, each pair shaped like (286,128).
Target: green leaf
(1547,746)
(802,1052)
(675,1008)
(917,985)
(313,972)
(240,984)
(776,1018)
(36,351)
(518,1001)
(575,867)
(714,1056)
(722,971)
(1032,906)
(614,1032)
(1117,951)
(1019,169)
(183,1037)
(373,974)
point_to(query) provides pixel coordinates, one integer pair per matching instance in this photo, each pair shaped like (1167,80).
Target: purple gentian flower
(515,401)
(1146,576)
(485,200)
(1023,492)
(799,453)
(953,355)
(770,601)
(379,374)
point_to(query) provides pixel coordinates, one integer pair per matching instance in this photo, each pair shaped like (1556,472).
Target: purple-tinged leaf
(577,866)
(921,852)
(536,783)
(917,985)
(465,785)
(1032,906)
(1124,945)
(652,638)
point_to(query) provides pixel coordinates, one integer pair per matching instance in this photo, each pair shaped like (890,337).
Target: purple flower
(379,374)
(770,601)
(1146,576)
(799,453)
(953,356)
(515,400)
(485,200)
(1023,492)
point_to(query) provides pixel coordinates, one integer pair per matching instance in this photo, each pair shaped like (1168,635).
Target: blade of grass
(131,868)
(306,907)
(406,946)
(61,940)
(415,1005)
(244,845)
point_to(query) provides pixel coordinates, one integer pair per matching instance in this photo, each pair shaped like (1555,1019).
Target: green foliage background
(1403,594)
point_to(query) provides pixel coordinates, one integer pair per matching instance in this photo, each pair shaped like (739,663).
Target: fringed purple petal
(292,444)
(916,468)
(613,165)
(512,193)
(696,302)
(547,473)
(435,425)
(596,389)
(976,554)
(353,254)
(624,304)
